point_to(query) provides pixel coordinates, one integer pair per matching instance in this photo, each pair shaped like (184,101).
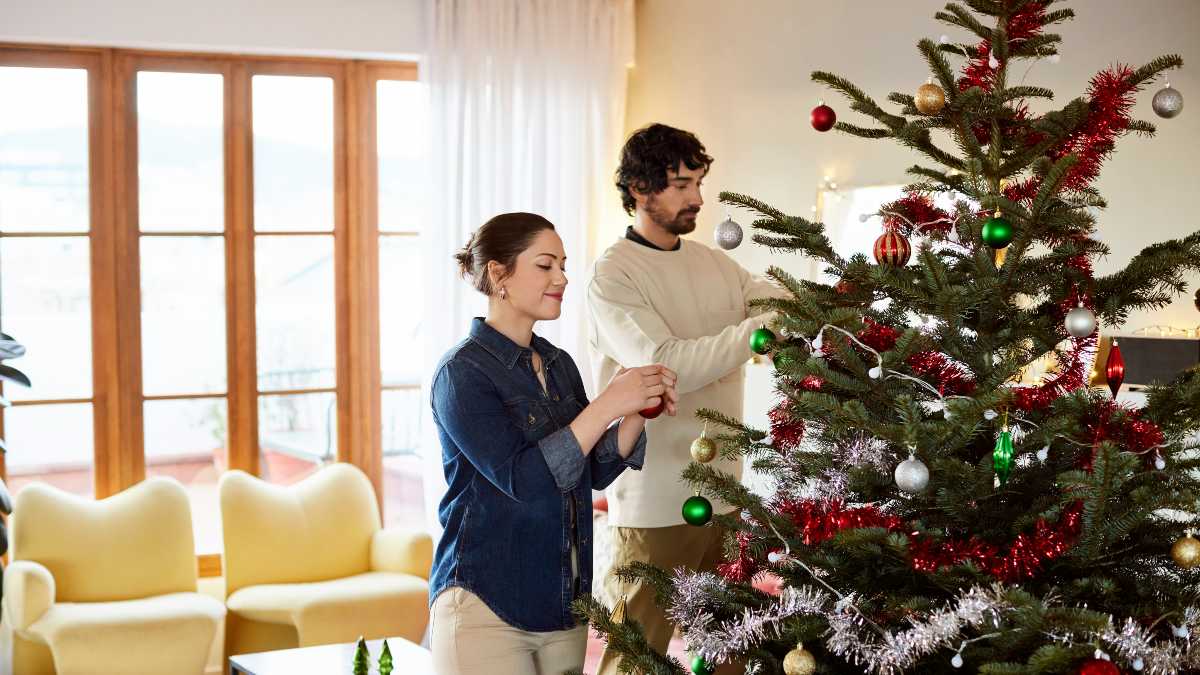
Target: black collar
(632,235)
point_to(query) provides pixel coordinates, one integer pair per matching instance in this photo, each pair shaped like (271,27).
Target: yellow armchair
(309,564)
(107,586)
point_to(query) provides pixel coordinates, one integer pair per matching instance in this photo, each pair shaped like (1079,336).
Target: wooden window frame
(115,236)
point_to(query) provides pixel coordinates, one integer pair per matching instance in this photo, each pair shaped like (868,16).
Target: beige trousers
(696,548)
(469,639)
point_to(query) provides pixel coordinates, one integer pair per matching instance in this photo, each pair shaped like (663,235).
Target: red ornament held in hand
(1098,667)
(823,117)
(1114,369)
(654,411)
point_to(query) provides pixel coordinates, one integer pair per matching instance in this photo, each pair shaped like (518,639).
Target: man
(657,298)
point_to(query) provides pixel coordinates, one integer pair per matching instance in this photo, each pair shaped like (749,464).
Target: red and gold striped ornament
(892,248)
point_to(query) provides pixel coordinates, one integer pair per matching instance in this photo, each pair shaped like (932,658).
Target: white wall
(365,28)
(737,74)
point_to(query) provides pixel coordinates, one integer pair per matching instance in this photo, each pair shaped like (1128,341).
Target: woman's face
(536,282)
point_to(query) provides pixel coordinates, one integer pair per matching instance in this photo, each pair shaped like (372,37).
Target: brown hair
(502,239)
(650,153)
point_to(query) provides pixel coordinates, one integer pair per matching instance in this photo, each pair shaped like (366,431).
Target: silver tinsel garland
(1135,645)
(882,652)
(893,652)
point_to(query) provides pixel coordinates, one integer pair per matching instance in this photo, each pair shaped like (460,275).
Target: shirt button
(532,420)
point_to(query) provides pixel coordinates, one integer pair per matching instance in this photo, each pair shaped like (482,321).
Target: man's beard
(683,222)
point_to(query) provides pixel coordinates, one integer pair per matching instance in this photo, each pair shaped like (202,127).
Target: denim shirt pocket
(529,416)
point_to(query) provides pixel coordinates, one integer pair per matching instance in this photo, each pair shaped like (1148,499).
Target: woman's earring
(503,293)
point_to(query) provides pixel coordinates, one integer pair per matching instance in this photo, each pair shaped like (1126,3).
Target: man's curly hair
(649,153)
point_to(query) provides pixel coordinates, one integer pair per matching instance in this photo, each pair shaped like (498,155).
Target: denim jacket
(520,487)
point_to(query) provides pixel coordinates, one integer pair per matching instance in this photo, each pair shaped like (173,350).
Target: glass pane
(183,315)
(402,138)
(43,150)
(46,306)
(294,282)
(181,158)
(403,494)
(188,441)
(293,153)
(297,434)
(52,444)
(401,308)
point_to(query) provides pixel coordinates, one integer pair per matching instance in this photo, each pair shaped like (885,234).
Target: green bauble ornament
(1002,456)
(697,511)
(700,666)
(761,339)
(997,232)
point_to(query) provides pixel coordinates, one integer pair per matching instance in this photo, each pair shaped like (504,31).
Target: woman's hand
(635,389)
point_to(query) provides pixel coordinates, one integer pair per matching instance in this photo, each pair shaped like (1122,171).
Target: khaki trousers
(696,548)
(469,639)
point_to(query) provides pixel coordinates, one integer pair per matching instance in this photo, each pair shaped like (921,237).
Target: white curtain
(527,108)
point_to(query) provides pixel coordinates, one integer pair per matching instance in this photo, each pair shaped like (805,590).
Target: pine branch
(956,15)
(863,132)
(627,639)
(1151,279)
(1151,70)
(861,101)
(940,68)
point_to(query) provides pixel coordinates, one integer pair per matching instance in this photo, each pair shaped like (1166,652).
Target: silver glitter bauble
(1168,102)
(912,475)
(1080,322)
(728,234)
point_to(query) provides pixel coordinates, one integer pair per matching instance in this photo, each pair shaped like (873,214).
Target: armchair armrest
(28,592)
(406,551)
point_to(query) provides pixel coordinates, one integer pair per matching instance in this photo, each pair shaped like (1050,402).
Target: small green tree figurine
(361,658)
(385,660)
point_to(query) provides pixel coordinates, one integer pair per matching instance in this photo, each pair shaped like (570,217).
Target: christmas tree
(385,660)
(362,657)
(935,506)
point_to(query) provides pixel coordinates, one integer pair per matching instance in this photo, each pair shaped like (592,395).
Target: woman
(522,450)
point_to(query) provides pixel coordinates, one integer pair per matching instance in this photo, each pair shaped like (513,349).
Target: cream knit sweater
(686,309)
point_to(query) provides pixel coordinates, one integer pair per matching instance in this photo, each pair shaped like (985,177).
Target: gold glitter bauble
(799,661)
(1186,552)
(704,450)
(930,99)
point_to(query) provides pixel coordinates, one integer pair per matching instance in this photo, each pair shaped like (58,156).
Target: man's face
(675,208)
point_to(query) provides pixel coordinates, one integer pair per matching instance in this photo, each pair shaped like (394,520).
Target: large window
(213,262)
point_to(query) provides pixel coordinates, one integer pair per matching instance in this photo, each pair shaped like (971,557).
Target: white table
(407,659)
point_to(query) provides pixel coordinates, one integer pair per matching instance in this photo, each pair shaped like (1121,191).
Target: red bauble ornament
(823,118)
(891,248)
(1098,667)
(655,411)
(1114,369)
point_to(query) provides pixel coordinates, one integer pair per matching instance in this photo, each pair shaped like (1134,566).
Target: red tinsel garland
(817,522)
(743,567)
(1024,558)
(915,210)
(787,429)
(1123,425)
(939,370)
(1024,24)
